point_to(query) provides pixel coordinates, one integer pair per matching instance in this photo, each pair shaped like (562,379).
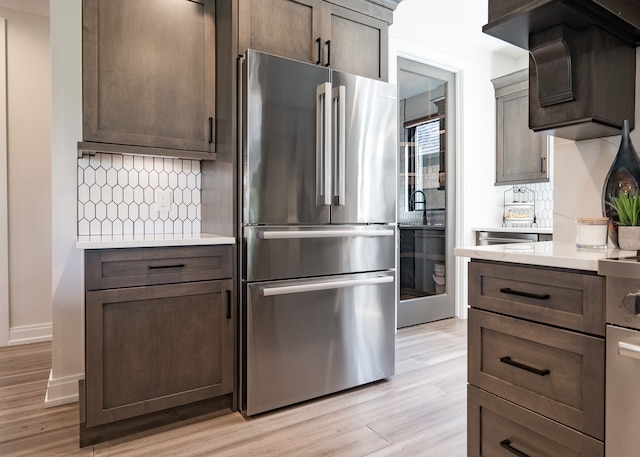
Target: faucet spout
(413,203)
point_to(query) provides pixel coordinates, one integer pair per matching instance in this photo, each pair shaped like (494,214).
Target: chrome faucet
(413,203)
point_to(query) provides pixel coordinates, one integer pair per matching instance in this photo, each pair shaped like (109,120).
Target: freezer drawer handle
(506,444)
(292,235)
(629,350)
(522,366)
(312,287)
(510,291)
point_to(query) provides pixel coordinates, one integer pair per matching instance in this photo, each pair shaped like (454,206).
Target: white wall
(28,64)
(580,168)
(427,31)
(66,273)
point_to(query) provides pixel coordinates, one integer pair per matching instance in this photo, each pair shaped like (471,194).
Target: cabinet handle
(319,41)
(160,267)
(328,43)
(506,444)
(522,366)
(510,291)
(228,304)
(542,160)
(210,130)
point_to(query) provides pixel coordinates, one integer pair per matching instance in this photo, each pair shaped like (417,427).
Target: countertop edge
(542,253)
(546,231)
(141,241)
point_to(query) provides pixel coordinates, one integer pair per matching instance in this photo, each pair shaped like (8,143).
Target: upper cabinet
(350,36)
(521,155)
(149,77)
(582,68)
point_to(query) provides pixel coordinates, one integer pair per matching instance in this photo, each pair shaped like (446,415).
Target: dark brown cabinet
(536,361)
(149,77)
(159,332)
(582,61)
(354,40)
(521,154)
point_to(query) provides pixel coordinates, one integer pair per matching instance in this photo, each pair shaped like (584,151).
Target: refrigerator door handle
(339,148)
(316,286)
(292,235)
(323,143)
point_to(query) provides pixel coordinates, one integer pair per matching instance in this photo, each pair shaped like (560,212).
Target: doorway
(426,216)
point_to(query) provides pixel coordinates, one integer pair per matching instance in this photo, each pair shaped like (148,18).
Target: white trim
(62,391)
(415,52)
(4,198)
(28,334)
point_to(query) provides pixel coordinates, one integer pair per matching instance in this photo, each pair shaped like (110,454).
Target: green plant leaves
(628,208)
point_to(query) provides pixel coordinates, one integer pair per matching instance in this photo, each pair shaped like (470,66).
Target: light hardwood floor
(421,411)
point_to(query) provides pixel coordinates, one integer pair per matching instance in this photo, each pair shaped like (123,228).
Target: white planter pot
(629,238)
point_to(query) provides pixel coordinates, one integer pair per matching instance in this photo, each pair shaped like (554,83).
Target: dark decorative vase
(623,178)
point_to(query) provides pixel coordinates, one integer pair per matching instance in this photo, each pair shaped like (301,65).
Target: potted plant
(628,208)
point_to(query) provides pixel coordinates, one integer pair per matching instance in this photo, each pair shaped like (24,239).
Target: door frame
(4,197)
(412,51)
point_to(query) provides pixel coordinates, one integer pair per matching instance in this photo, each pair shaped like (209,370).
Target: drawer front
(116,268)
(557,297)
(555,372)
(500,428)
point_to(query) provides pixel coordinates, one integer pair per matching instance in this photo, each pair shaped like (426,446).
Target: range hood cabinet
(582,65)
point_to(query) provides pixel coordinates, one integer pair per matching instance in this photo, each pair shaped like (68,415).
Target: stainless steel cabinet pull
(323,143)
(339,147)
(159,267)
(292,235)
(629,350)
(522,366)
(506,444)
(316,286)
(510,291)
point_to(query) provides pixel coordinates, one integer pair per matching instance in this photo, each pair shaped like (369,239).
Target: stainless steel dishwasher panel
(622,399)
(308,338)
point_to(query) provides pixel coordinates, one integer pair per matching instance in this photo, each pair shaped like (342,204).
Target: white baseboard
(62,390)
(28,334)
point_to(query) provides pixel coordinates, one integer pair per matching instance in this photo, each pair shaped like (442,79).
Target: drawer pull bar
(508,290)
(506,444)
(160,267)
(522,366)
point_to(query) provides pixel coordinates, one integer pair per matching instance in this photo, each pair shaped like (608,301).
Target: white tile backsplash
(116,195)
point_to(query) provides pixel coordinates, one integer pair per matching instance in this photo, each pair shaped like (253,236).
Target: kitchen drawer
(117,268)
(555,372)
(500,428)
(568,299)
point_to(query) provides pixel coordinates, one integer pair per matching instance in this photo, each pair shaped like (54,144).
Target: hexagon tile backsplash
(116,195)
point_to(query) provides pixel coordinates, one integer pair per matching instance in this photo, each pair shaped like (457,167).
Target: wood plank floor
(421,411)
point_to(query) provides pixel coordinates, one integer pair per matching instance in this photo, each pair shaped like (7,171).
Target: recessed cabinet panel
(148,74)
(521,154)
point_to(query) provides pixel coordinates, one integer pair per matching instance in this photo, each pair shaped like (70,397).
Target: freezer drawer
(298,252)
(305,339)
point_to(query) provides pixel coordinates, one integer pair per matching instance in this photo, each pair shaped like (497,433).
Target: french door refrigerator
(318,196)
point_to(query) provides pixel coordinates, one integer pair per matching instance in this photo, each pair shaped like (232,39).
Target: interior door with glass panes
(426,159)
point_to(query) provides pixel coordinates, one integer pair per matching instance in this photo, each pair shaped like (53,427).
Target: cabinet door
(287,28)
(153,348)
(148,73)
(355,43)
(521,154)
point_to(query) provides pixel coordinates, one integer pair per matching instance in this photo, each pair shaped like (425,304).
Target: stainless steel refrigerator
(318,239)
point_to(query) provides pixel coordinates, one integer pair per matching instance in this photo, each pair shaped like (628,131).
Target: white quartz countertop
(543,253)
(150,240)
(515,229)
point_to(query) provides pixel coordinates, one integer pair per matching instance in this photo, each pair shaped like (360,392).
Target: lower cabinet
(536,361)
(150,348)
